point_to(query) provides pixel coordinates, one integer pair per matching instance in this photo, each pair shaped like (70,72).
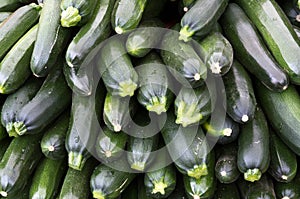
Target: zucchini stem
(11,130)
(20,128)
(159,187)
(139,166)
(198,171)
(70,17)
(252,175)
(3,193)
(76,161)
(157,105)
(98,195)
(185,34)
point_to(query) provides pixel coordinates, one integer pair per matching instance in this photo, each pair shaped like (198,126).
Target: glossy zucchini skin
(254,55)
(278,35)
(227,191)
(241,101)
(289,190)
(4,15)
(15,66)
(9,5)
(127,14)
(53,141)
(253,157)
(201,17)
(4,145)
(155,85)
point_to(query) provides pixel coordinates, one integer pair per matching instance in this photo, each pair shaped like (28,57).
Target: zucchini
(291,10)
(15,66)
(17,25)
(127,14)
(116,69)
(217,53)
(285,123)
(241,101)
(76,12)
(288,190)
(182,60)
(110,145)
(76,184)
(278,34)
(50,40)
(52,99)
(227,191)
(154,90)
(187,147)
(226,168)
(141,41)
(253,157)
(254,55)
(14,102)
(91,34)
(18,163)
(200,19)
(160,183)
(9,5)
(44,186)
(53,141)
(4,16)
(192,106)
(153,9)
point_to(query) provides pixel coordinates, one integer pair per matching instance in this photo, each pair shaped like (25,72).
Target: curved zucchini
(53,141)
(227,191)
(9,5)
(50,101)
(154,90)
(288,190)
(241,101)
(253,156)
(200,19)
(15,66)
(250,49)
(278,34)
(76,12)
(4,16)
(127,14)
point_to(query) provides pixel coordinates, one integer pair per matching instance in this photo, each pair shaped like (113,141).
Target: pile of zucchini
(141,99)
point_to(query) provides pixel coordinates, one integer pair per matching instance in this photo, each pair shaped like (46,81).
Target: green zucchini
(227,191)
(254,55)
(9,5)
(187,147)
(116,69)
(153,9)
(127,14)
(285,123)
(226,169)
(91,34)
(154,90)
(241,101)
(15,66)
(76,12)
(253,157)
(47,179)
(216,52)
(288,190)
(291,10)
(53,141)
(76,184)
(278,34)
(132,191)
(200,19)
(52,99)
(4,16)
(110,145)
(17,25)
(50,40)
(141,41)
(193,106)
(23,194)
(14,102)
(182,60)
(18,163)
(160,183)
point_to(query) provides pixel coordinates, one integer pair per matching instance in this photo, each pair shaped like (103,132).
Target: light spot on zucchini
(245,118)
(197,76)
(227,132)
(223,173)
(284,177)
(51,148)
(185,9)
(286,197)
(298,18)
(119,30)
(196,197)
(117,127)
(3,193)
(127,88)
(108,154)
(215,67)
(139,166)
(159,187)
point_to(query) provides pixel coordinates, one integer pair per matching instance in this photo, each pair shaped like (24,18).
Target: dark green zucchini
(91,34)
(18,163)
(15,66)
(50,101)
(254,55)
(182,60)
(110,145)
(241,101)
(47,179)
(226,169)
(153,9)
(127,14)
(50,41)
(17,25)
(4,16)
(116,69)
(16,101)
(24,193)
(155,85)
(76,12)
(291,10)
(227,191)
(53,141)
(160,183)
(253,156)
(288,190)
(285,123)
(278,34)
(9,5)
(201,17)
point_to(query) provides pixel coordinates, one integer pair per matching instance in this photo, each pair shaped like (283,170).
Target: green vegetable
(9,5)
(288,190)
(4,16)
